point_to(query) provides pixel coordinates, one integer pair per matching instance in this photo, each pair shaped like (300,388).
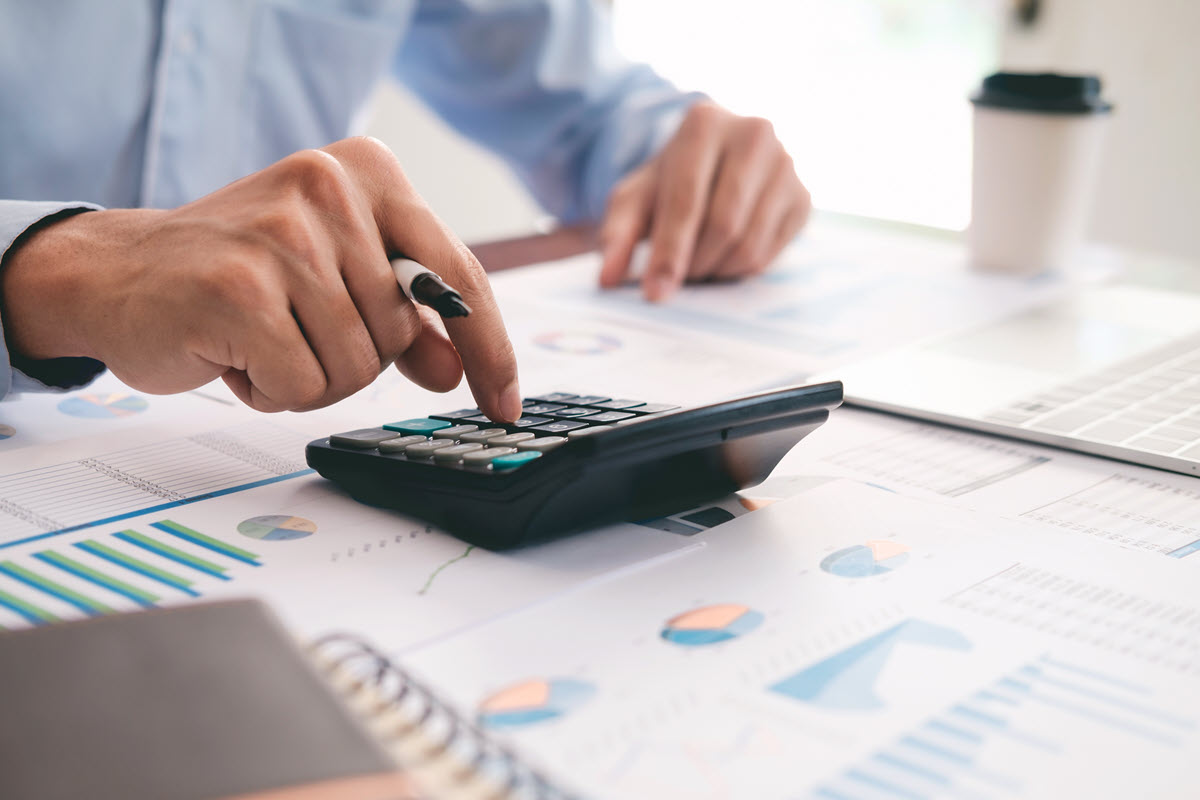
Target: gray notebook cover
(195,702)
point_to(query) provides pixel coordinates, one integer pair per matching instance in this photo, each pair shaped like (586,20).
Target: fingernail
(659,288)
(510,403)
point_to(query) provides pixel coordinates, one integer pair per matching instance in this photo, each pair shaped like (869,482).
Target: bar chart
(1006,737)
(120,571)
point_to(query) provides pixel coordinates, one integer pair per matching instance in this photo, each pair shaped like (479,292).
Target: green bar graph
(173,553)
(80,570)
(54,589)
(200,539)
(137,565)
(28,611)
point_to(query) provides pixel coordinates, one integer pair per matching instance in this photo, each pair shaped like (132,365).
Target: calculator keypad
(466,439)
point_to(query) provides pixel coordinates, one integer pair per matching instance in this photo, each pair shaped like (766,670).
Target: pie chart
(277,527)
(534,701)
(103,406)
(711,624)
(875,557)
(579,343)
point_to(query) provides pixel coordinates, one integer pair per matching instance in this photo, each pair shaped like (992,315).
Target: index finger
(409,227)
(689,164)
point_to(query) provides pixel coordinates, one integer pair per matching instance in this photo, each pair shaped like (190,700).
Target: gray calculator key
(456,452)
(571,411)
(588,431)
(511,440)
(462,413)
(482,436)
(362,439)
(543,444)
(608,416)
(617,405)
(541,408)
(401,444)
(529,422)
(559,426)
(455,431)
(427,449)
(479,458)
(588,399)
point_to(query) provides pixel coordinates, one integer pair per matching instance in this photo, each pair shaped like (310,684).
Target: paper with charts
(883,647)
(841,292)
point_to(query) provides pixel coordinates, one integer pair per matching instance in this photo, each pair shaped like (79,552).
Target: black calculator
(572,461)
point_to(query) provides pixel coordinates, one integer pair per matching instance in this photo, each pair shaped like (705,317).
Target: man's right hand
(279,283)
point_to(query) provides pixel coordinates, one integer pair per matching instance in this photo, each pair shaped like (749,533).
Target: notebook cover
(201,701)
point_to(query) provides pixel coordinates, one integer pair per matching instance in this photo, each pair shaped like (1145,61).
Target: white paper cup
(1037,147)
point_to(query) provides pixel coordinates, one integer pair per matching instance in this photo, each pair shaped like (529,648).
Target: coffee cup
(1037,143)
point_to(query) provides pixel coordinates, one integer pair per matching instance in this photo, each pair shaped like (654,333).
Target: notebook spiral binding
(445,755)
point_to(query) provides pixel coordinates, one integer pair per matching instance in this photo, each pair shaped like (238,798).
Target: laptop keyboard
(1150,402)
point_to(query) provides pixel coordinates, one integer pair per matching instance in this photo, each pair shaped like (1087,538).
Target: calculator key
(588,431)
(427,448)
(423,425)
(608,416)
(556,397)
(361,439)
(566,412)
(542,444)
(529,422)
(514,460)
(617,405)
(479,458)
(455,453)
(462,413)
(654,408)
(454,431)
(589,399)
(560,426)
(480,418)
(401,444)
(542,408)
(511,440)
(483,435)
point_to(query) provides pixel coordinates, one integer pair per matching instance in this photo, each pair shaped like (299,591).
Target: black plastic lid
(1045,92)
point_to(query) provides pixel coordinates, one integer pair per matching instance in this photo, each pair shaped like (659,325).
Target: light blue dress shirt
(153,103)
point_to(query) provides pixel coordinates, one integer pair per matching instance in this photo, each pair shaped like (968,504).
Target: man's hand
(718,203)
(279,283)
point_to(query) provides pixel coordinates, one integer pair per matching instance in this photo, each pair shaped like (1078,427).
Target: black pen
(425,287)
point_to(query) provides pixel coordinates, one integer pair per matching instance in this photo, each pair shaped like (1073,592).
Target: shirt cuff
(18,373)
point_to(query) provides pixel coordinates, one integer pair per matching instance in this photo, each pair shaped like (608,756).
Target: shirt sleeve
(17,373)
(541,83)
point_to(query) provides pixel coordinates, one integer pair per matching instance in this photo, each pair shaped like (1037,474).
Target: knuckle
(236,283)
(288,228)
(760,130)
(311,167)
(311,392)
(704,114)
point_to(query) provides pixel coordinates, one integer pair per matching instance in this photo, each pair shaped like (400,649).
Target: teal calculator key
(424,426)
(514,460)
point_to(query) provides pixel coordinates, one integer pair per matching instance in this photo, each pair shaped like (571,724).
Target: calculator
(572,461)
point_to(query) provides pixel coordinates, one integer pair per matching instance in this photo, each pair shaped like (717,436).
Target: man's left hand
(718,203)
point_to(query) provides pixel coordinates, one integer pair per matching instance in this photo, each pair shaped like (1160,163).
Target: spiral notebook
(216,701)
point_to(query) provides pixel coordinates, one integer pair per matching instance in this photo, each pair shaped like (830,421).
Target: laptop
(1113,371)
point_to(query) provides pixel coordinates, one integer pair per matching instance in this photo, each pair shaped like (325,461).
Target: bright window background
(869,96)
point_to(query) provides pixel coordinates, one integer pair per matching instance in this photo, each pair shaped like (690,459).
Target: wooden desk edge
(517,252)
